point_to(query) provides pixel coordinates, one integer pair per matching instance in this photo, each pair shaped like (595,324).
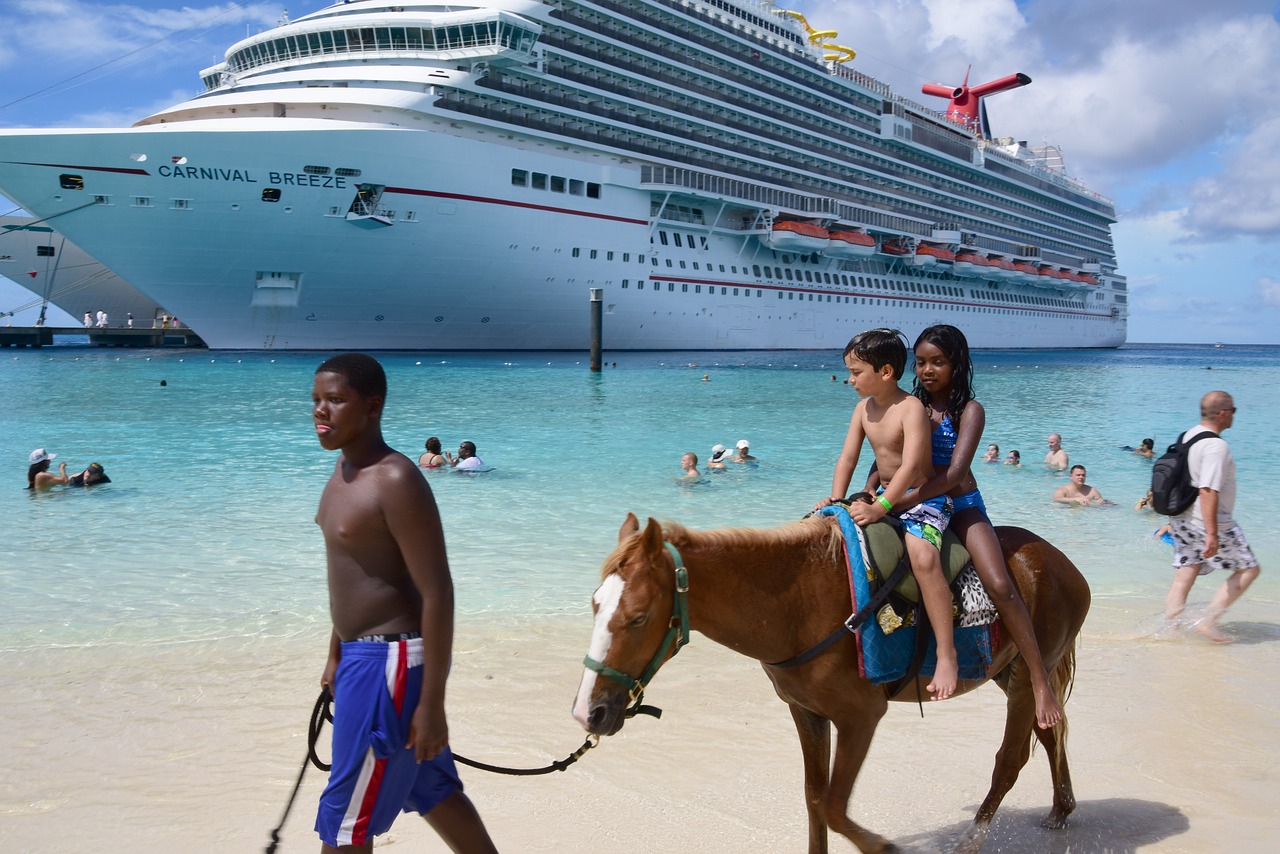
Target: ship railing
(1040,171)
(722,186)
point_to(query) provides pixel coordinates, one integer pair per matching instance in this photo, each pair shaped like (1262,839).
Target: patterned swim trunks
(1233,553)
(928,519)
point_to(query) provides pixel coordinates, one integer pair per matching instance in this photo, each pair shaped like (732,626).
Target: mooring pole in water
(597,310)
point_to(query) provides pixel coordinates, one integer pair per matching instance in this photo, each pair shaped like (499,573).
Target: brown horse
(771,595)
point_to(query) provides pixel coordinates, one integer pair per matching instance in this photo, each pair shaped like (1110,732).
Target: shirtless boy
(1078,492)
(391,600)
(898,430)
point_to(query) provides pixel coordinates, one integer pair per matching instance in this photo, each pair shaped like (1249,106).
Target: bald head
(1213,403)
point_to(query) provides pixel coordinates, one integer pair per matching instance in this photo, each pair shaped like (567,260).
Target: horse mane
(756,538)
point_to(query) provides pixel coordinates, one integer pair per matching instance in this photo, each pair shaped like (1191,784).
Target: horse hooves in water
(1055,821)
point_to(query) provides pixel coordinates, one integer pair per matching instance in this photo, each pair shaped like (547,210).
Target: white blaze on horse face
(607,597)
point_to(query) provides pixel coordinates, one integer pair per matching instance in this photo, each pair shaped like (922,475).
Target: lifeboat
(896,246)
(967,263)
(1050,273)
(790,236)
(851,244)
(1026,270)
(1089,279)
(1003,268)
(928,255)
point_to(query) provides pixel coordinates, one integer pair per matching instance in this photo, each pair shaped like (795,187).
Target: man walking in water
(1205,537)
(391,600)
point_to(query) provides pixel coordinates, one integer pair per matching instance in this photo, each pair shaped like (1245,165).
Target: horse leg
(815,745)
(852,742)
(1019,723)
(1064,800)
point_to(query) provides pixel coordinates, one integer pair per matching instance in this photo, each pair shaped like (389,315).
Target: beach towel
(887,643)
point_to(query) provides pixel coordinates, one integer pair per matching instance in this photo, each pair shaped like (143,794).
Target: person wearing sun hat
(719,453)
(744,452)
(38,476)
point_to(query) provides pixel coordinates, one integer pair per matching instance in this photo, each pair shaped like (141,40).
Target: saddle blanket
(887,643)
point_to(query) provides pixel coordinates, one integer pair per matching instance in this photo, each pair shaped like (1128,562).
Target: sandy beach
(195,747)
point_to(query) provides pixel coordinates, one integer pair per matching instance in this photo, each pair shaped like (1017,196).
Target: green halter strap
(677,634)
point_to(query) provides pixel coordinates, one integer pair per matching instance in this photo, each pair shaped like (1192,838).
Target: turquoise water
(208,528)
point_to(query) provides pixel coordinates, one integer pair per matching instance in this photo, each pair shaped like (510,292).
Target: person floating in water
(1078,492)
(391,600)
(94,474)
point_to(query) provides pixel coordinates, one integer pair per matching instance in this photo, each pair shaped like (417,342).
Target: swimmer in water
(992,455)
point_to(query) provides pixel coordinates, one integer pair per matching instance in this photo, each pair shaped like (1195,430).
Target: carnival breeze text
(296,179)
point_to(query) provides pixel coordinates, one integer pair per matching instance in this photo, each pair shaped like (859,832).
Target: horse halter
(677,634)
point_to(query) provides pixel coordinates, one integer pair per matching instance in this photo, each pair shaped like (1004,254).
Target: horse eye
(638,621)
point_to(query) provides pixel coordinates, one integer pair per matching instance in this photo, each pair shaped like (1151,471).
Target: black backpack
(1171,489)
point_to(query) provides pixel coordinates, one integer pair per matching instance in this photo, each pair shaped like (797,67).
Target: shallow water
(174,622)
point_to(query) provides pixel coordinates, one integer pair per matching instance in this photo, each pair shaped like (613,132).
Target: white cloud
(1269,291)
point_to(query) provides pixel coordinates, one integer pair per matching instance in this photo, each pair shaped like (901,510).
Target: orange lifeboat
(928,255)
(851,244)
(1027,269)
(896,246)
(791,236)
(1003,268)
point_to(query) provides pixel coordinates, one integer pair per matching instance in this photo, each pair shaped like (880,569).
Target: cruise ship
(414,175)
(58,272)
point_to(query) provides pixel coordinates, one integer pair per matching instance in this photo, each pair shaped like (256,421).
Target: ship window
(735,292)
(671,286)
(676,237)
(662,238)
(808,276)
(71,182)
(344,172)
(755,270)
(626,256)
(724,292)
(684,288)
(697,289)
(181,204)
(696,267)
(575,187)
(557,184)
(625,282)
(593,190)
(316,170)
(271,194)
(640,285)
(142,201)
(539,180)
(790,278)
(683,265)
(45,251)
(594,253)
(669,264)
(576,252)
(519,178)
(608,256)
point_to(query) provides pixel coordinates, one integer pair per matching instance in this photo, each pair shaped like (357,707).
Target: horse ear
(652,536)
(630,525)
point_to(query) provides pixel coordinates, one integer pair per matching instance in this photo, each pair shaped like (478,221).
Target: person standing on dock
(88,320)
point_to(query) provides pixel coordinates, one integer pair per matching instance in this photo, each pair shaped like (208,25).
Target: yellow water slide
(821,38)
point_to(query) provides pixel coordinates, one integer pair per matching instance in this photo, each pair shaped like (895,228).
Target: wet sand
(195,747)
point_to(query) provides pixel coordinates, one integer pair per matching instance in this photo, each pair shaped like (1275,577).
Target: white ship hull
(455,254)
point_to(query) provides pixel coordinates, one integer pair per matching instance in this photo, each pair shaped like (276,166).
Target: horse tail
(1063,680)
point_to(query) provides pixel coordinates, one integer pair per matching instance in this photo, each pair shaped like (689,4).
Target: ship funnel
(965,106)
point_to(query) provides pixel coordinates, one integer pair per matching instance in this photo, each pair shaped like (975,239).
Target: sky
(1168,107)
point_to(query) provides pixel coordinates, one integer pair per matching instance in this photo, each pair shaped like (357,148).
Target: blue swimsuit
(943,440)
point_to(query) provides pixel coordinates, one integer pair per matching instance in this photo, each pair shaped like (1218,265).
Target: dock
(117,336)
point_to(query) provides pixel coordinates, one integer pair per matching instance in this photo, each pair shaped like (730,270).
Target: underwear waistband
(392,638)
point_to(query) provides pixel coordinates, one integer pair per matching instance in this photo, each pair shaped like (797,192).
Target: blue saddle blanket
(887,657)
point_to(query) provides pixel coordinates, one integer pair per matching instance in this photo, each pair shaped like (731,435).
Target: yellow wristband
(885,503)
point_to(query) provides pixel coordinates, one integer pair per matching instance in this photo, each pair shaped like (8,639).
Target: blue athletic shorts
(374,777)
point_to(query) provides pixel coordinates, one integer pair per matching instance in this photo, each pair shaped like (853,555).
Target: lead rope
(323,712)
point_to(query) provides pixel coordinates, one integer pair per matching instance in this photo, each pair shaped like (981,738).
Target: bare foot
(1210,630)
(945,675)
(1048,709)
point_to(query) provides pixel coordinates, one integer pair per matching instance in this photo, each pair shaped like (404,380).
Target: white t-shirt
(470,463)
(1212,466)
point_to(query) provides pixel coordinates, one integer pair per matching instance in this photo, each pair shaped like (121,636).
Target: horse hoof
(1053,821)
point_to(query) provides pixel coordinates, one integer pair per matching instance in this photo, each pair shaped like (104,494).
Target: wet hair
(1017,456)
(433,445)
(35,469)
(362,373)
(879,347)
(955,347)
(1149,444)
